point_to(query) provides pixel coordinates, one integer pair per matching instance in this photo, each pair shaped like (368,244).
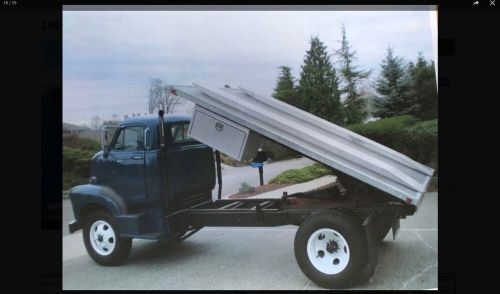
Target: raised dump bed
(249,114)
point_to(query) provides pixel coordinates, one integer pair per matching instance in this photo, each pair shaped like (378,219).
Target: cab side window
(129,139)
(180,132)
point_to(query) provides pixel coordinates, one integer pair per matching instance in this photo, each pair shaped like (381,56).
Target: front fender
(91,194)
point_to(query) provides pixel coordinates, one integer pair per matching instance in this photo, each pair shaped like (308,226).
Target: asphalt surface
(252,259)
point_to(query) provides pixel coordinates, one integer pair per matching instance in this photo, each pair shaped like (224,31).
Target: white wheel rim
(328,251)
(102,237)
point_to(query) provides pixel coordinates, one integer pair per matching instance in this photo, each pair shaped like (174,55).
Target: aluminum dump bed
(337,147)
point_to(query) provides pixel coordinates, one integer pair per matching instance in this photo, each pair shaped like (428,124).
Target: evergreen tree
(318,85)
(391,85)
(285,88)
(422,92)
(355,106)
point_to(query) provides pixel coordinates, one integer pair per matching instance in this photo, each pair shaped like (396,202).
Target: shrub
(73,141)
(76,166)
(245,185)
(421,142)
(386,131)
(308,173)
(77,155)
(277,152)
(405,134)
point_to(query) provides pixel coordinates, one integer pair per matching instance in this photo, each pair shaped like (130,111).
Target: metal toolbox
(224,135)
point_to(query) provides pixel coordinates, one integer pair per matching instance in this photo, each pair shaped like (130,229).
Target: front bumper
(74,226)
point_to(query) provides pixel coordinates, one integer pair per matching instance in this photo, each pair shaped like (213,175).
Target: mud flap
(369,269)
(395,228)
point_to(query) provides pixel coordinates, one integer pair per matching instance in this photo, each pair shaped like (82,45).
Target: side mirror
(107,134)
(105,151)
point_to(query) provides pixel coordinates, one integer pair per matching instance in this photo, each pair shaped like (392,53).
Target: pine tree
(422,92)
(318,85)
(355,106)
(391,85)
(285,88)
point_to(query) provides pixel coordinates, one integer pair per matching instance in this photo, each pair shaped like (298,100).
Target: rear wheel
(102,239)
(331,249)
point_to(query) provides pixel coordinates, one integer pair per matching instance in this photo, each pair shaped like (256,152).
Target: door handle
(137,157)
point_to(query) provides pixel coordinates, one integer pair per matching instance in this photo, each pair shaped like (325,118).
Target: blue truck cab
(135,181)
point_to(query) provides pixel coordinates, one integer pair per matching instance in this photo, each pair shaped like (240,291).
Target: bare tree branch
(95,122)
(161,98)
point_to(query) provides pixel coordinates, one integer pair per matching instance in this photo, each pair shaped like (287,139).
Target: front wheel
(331,249)
(102,239)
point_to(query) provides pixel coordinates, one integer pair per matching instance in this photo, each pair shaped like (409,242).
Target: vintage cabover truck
(155,175)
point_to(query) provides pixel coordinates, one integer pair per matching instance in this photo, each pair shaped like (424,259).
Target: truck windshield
(129,139)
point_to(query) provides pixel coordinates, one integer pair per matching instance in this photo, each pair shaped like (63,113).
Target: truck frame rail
(269,212)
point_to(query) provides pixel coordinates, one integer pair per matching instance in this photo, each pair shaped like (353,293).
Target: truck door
(127,164)
(190,168)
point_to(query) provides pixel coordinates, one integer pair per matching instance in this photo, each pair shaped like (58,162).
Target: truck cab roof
(153,120)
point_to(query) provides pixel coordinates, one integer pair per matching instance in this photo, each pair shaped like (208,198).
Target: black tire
(122,244)
(353,233)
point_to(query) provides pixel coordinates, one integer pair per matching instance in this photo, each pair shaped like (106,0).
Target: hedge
(386,131)
(416,139)
(73,141)
(277,152)
(421,142)
(77,155)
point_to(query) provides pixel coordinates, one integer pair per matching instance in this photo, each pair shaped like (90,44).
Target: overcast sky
(109,57)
